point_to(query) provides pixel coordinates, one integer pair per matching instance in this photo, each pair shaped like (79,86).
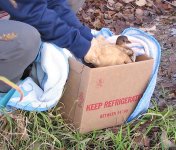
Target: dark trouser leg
(76,4)
(16,55)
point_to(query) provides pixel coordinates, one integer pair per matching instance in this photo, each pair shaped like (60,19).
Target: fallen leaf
(174,3)
(118,6)
(149,30)
(171,69)
(166,6)
(97,24)
(165,141)
(142,140)
(172,96)
(150,3)
(111,1)
(110,6)
(138,22)
(128,1)
(168,85)
(173,32)
(139,12)
(141,2)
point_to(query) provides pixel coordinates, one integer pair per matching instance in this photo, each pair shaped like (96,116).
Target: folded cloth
(52,70)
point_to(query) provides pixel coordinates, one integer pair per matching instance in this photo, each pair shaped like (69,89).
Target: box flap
(82,94)
(75,91)
(76,65)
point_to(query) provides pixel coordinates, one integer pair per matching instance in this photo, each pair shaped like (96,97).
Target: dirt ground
(166,34)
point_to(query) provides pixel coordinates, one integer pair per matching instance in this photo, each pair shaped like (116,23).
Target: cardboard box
(97,98)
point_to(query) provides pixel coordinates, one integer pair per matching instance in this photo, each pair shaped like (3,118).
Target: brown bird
(122,42)
(112,54)
(108,54)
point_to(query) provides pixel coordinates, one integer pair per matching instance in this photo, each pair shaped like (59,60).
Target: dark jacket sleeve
(67,14)
(50,25)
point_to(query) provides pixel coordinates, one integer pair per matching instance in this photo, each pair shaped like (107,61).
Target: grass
(47,131)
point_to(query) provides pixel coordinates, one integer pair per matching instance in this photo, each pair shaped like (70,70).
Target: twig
(7,140)
(13,85)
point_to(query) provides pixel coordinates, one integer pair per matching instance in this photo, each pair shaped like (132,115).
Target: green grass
(47,131)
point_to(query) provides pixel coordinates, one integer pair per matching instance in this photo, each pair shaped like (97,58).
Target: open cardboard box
(97,98)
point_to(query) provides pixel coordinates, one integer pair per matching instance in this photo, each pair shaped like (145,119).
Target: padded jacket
(55,21)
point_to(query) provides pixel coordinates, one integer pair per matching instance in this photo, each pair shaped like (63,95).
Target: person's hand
(103,53)
(93,53)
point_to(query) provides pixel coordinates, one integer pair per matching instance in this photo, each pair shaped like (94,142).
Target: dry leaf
(110,6)
(97,24)
(141,2)
(128,1)
(118,6)
(139,12)
(172,95)
(149,30)
(111,1)
(165,141)
(173,32)
(169,85)
(150,3)
(142,140)
(172,65)
(174,3)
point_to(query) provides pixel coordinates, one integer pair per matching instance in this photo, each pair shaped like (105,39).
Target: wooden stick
(13,85)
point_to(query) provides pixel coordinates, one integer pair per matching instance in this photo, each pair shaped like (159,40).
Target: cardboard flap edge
(76,65)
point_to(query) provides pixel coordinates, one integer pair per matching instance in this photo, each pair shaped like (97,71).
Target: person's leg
(76,4)
(17,54)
